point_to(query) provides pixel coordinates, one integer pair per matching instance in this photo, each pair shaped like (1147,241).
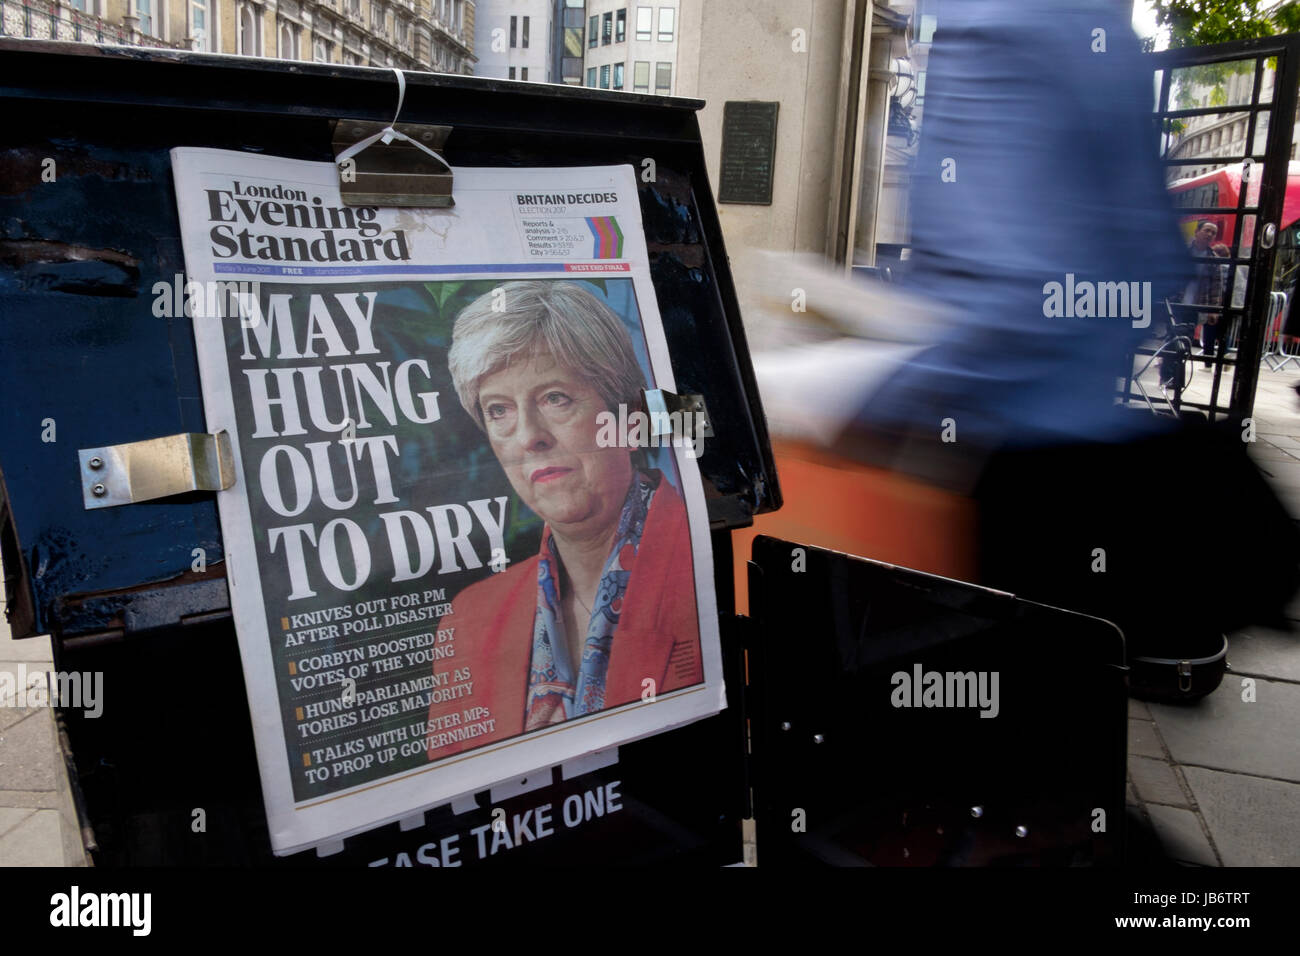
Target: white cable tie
(389,132)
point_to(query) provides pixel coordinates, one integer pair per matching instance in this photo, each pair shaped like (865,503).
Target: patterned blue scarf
(558,691)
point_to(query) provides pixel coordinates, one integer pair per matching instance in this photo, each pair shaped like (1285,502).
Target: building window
(644,22)
(514,27)
(607,29)
(604,77)
(354,11)
(523,73)
(618,76)
(593,32)
(663,77)
(925,34)
(144,10)
(620,25)
(320,51)
(666,24)
(571,56)
(641,76)
(199,25)
(510,73)
(287,37)
(591,76)
(250,30)
(523,40)
(377,16)
(403,31)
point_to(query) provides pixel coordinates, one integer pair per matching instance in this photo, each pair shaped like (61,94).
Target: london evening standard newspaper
(397,563)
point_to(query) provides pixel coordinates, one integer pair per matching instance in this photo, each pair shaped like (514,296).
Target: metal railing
(55,20)
(1279,349)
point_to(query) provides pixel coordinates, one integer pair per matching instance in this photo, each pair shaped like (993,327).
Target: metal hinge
(155,468)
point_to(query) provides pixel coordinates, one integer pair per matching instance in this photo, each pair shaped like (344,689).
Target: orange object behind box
(837,503)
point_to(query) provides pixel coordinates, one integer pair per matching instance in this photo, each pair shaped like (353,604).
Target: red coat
(657,635)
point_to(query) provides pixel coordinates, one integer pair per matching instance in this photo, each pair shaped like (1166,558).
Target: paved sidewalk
(38,819)
(1219,780)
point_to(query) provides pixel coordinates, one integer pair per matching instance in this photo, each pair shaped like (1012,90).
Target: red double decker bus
(1222,187)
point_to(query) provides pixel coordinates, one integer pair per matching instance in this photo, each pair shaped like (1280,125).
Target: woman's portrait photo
(604,612)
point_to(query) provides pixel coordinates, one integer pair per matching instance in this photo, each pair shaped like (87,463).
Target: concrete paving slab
(1282,441)
(10,817)
(1254,821)
(12,715)
(30,755)
(1142,739)
(1262,652)
(37,841)
(31,799)
(1156,782)
(1180,833)
(1226,733)
(19,672)
(31,649)
(1138,709)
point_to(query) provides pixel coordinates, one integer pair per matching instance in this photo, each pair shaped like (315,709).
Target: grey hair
(538,316)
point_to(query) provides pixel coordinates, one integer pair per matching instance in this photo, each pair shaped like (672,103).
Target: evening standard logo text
(330,233)
(75,909)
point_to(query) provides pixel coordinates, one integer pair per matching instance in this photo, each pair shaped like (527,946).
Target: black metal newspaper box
(827,750)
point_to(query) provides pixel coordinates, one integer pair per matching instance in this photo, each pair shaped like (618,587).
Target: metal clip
(1184,676)
(749,841)
(395,173)
(682,415)
(156,468)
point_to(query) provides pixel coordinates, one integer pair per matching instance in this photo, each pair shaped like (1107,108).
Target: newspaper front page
(458,551)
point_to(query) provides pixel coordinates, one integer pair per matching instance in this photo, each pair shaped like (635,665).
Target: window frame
(649,32)
(206,7)
(253,32)
(146,17)
(636,86)
(672,25)
(665,90)
(289,28)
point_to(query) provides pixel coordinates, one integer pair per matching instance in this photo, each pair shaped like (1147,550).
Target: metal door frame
(1275,159)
